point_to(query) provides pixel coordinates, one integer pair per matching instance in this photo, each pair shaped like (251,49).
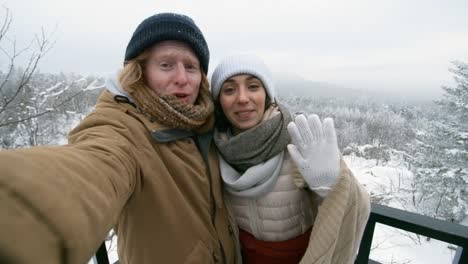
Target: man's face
(173,69)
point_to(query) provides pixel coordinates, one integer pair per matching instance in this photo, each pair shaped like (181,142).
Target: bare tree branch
(44,45)
(53,108)
(6,23)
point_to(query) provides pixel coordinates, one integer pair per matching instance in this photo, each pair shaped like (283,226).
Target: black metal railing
(437,229)
(101,254)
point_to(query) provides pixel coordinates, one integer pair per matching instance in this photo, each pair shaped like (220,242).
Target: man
(141,162)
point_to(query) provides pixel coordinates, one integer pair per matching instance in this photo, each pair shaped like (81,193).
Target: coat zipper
(204,153)
(253,215)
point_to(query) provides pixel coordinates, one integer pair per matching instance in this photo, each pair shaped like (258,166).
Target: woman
(301,205)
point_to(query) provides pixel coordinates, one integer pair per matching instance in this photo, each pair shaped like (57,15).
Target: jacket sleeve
(58,203)
(364,209)
(340,222)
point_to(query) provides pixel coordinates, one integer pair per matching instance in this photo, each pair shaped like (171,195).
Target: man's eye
(191,67)
(165,65)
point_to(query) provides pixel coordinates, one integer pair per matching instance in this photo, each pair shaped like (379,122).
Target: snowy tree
(35,108)
(439,155)
(455,103)
(423,136)
(63,104)
(439,182)
(15,78)
(359,122)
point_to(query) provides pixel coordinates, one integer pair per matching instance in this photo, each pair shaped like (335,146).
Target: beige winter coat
(58,203)
(340,222)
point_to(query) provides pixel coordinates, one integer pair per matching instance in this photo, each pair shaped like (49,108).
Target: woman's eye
(228,90)
(254,86)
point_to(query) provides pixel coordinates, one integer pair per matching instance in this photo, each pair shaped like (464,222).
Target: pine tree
(441,173)
(455,99)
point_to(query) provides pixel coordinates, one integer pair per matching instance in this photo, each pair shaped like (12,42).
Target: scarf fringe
(172,112)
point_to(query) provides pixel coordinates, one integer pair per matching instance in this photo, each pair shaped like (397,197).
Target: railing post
(366,242)
(101,254)
(464,256)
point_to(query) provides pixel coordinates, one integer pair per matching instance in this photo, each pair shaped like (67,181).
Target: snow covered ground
(389,244)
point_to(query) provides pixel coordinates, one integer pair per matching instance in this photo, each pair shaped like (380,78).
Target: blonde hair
(134,72)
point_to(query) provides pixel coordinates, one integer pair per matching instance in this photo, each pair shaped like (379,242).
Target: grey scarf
(256,181)
(257,144)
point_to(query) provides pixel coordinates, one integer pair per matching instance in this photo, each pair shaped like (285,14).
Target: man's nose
(180,77)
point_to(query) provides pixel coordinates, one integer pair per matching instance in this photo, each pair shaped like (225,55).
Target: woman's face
(242,98)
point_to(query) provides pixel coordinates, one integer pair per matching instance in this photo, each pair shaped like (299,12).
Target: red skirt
(282,252)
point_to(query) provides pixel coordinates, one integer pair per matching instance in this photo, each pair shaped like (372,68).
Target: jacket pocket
(200,254)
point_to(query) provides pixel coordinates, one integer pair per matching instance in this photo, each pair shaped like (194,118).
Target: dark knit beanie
(168,26)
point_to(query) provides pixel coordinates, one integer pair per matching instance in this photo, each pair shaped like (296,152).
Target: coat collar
(168,135)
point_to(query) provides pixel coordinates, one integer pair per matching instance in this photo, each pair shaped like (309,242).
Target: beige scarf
(172,112)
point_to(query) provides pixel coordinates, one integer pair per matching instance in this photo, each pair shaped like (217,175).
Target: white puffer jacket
(282,214)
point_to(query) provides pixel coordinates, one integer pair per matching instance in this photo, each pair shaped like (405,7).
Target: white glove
(315,152)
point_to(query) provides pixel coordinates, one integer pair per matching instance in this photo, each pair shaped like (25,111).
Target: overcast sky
(404,46)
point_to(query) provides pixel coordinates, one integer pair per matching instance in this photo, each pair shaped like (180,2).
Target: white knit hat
(242,64)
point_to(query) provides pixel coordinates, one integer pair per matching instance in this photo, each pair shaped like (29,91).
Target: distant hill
(290,87)
(287,86)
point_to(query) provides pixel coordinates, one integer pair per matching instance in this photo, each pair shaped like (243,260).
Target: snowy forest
(416,154)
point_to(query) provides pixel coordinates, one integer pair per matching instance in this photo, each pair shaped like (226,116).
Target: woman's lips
(244,114)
